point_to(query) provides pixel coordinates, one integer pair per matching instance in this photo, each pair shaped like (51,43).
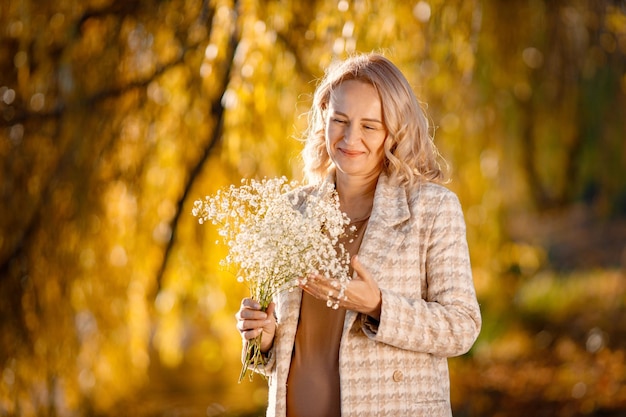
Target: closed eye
(372,127)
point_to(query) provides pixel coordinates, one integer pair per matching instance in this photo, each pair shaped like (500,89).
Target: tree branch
(217,112)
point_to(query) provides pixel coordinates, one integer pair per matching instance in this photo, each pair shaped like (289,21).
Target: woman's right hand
(251,322)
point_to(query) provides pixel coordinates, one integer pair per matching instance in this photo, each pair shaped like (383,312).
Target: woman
(411,303)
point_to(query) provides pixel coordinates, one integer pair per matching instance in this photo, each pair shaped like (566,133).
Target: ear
(324,115)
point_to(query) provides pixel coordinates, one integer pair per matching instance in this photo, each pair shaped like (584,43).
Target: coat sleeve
(445,321)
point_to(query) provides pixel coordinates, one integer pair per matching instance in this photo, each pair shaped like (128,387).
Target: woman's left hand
(361,293)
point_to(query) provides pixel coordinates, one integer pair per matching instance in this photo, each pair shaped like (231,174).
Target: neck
(356,195)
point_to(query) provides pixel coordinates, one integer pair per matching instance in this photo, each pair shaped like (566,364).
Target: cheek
(331,131)
(378,147)
(329,143)
(331,136)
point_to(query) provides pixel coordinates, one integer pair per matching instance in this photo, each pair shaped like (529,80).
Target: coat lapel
(387,228)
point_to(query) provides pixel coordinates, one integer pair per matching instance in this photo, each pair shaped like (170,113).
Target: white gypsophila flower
(277,233)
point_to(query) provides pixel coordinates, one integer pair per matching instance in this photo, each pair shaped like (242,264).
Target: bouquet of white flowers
(277,233)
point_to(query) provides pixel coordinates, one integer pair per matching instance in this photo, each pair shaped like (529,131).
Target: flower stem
(253,360)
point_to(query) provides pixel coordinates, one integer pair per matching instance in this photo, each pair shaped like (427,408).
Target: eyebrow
(365,119)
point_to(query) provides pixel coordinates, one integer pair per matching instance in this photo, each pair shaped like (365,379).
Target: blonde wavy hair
(411,156)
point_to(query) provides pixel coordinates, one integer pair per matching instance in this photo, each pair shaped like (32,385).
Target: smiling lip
(348,152)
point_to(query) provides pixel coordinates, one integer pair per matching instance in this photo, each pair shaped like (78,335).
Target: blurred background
(116,115)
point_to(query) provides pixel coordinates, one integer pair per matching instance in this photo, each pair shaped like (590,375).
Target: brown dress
(313,384)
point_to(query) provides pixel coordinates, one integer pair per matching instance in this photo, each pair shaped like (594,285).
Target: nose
(351,134)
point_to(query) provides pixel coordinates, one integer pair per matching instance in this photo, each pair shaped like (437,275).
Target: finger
(250,310)
(325,292)
(360,272)
(324,285)
(333,302)
(247,325)
(270,310)
(247,314)
(250,303)
(312,290)
(251,334)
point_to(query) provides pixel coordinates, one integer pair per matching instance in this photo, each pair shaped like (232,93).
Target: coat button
(398,376)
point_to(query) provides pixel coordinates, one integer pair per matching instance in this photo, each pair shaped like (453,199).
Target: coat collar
(391,206)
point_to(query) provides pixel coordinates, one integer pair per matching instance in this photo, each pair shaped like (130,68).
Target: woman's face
(355,132)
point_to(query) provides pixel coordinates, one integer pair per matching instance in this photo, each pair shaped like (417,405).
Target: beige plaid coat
(416,249)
